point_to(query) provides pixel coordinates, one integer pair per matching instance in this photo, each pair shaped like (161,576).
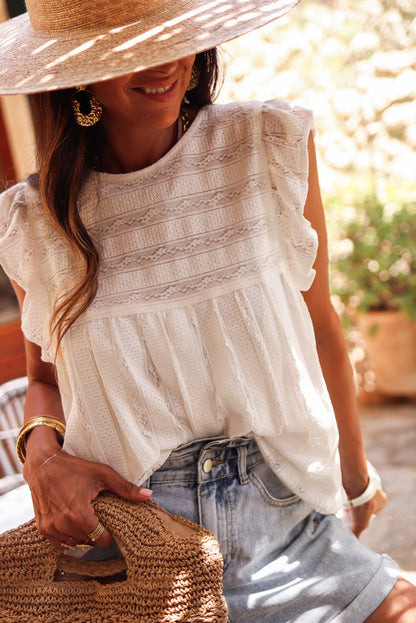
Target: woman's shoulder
(276,125)
(12,209)
(19,213)
(256,111)
(16,199)
(289,120)
(12,194)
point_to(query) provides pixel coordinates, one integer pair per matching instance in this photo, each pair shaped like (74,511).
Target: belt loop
(242,464)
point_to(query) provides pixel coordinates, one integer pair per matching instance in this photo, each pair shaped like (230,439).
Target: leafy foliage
(374,259)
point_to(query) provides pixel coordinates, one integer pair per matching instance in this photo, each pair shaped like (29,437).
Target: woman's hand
(359,517)
(63,489)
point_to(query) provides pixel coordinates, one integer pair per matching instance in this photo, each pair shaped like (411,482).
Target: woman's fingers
(62,522)
(113,481)
(110,480)
(362,515)
(63,492)
(104,537)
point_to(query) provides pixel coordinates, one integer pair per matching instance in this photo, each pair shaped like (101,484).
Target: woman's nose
(166,68)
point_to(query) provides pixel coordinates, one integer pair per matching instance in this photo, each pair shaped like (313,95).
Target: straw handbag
(171,572)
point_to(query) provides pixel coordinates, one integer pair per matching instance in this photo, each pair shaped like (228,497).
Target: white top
(199,327)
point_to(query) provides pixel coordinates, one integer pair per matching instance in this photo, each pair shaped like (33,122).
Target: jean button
(207,466)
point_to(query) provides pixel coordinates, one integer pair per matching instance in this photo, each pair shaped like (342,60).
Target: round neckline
(109,178)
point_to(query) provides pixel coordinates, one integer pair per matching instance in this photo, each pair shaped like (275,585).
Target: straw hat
(63,43)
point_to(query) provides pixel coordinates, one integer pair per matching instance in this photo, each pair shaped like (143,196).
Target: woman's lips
(159,93)
(154,90)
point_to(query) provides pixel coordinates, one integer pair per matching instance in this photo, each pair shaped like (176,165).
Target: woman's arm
(336,367)
(62,485)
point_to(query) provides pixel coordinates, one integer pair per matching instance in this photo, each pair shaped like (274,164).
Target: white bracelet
(374,483)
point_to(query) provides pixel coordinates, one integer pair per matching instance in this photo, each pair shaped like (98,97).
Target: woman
(167,263)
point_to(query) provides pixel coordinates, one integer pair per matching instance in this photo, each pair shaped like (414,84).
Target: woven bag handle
(89,569)
(125,521)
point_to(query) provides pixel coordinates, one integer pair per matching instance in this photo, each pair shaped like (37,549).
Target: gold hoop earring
(194,81)
(86,108)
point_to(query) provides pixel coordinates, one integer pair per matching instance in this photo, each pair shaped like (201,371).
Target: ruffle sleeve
(286,131)
(23,245)
(15,256)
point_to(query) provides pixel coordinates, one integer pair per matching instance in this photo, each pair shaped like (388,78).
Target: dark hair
(65,154)
(209,81)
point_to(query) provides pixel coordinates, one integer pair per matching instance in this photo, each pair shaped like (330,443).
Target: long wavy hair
(66,153)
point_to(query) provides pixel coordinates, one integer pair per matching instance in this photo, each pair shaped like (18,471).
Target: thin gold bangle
(40,420)
(45,462)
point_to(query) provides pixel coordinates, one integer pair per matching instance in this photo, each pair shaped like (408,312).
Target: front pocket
(271,488)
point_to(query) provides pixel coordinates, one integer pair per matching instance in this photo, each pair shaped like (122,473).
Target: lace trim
(199,243)
(147,213)
(188,164)
(202,284)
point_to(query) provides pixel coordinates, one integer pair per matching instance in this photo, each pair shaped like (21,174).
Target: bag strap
(137,526)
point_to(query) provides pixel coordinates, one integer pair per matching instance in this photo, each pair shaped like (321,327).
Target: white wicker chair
(12,398)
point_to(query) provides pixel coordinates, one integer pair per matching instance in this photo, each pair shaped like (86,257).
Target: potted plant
(373,280)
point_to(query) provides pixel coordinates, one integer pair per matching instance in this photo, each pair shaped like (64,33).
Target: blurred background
(353,62)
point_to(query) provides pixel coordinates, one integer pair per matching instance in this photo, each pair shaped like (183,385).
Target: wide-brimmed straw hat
(64,43)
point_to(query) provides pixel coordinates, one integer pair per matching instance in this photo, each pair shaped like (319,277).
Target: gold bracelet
(45,462)
(40,420)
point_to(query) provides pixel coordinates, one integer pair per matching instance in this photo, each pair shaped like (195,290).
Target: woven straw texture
(66,43)
(173,573)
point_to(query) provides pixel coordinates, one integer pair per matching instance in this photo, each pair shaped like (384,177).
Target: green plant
(373,263)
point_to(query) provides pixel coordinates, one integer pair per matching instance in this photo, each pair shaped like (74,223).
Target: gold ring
(66,544)
(95,534)
(83,546)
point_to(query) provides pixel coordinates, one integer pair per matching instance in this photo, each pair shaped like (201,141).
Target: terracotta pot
(390,339)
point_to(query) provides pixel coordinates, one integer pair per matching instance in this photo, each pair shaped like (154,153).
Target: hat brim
(33,61)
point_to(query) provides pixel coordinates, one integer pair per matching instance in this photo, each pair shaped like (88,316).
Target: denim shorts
(283,561)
